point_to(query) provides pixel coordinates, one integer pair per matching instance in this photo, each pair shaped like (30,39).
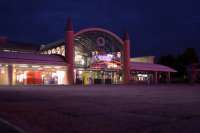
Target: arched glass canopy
(98,49)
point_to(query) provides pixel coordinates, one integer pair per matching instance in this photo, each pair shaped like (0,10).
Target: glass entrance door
(98,77)
(112,77)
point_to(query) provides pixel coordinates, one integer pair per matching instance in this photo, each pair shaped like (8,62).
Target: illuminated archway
(99,40)
(98,55)
(99,30)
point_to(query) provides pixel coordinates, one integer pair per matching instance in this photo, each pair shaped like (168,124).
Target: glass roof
(97,40)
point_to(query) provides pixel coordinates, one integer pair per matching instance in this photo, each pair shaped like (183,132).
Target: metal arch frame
(101,30)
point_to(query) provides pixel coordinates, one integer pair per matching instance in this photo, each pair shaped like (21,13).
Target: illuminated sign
(100,41)
(107,57)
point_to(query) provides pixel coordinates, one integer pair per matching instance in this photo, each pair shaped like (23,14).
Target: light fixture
(47,66)
(23,65)
(35,66)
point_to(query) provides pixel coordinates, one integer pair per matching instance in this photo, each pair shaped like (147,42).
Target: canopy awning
(138,66)
(30,58)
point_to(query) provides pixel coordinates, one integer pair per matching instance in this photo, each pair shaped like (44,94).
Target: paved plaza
(102,109)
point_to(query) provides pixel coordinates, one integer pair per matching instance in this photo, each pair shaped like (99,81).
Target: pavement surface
(6,127)
(102,109)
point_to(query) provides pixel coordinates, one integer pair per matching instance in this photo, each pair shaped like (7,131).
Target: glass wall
(142,76)
(4,74)
(59,50)
(98,58)
(24,74)
(98,77)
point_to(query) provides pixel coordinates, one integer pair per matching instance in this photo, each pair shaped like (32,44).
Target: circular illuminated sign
(100,41)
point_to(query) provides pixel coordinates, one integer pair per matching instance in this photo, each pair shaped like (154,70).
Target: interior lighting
(23,65)
(35,66)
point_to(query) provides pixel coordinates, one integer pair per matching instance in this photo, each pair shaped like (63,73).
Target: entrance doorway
(98,77)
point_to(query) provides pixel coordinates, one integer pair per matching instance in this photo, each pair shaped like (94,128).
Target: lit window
(58,50)
(49,51)
(63,50)
(6,50)
(53,51)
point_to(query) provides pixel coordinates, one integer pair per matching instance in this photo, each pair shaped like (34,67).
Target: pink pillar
(156,77)
(10,74)
(168,77)
(69,51)
(126,58)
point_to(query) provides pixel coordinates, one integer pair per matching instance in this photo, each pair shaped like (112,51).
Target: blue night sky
(156,27)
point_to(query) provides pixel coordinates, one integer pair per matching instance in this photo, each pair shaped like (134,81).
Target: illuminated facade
(90,56)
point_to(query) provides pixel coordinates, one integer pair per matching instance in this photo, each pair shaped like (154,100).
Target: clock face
(100,41)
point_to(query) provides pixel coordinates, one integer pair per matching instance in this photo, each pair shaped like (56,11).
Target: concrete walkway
(102,108)
(6,127)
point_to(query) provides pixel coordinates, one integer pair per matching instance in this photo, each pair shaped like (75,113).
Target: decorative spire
(69,24)
(126,36)
(3,39)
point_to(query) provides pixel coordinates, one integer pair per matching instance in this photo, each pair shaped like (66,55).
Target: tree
(181,63)
(190,56)
(168,60)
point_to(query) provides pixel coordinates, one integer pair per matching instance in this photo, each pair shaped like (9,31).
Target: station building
(89,56)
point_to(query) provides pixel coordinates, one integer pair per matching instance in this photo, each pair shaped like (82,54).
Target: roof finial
(126,36)
(69,24)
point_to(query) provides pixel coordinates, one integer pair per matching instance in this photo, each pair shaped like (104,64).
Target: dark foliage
(180,63)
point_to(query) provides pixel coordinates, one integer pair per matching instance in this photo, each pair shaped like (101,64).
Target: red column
(69,51)
(126,59)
